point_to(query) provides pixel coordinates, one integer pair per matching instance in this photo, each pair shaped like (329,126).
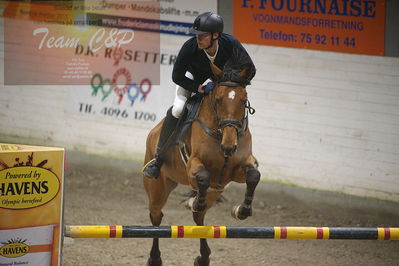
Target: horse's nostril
(229,151)
(234,148)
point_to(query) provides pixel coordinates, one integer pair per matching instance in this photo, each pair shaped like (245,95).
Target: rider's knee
(176,110)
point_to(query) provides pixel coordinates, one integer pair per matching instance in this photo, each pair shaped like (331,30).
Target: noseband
(230,122)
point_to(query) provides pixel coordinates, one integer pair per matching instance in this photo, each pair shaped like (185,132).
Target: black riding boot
(152,168)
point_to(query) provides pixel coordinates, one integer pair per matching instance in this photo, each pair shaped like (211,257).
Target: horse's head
(229,99)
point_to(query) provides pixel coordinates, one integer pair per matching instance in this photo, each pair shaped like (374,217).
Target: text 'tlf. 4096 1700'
(116,113)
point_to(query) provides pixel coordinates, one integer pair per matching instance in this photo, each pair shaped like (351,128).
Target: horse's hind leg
(158,191)
(252,177)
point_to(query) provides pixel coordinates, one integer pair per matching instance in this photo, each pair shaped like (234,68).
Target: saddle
(189,114)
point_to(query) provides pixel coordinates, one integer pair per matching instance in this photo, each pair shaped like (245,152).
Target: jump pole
(275,232)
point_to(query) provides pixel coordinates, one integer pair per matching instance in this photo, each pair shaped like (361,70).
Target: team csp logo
(26,187)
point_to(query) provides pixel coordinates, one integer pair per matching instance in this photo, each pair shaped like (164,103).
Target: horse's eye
(218,100)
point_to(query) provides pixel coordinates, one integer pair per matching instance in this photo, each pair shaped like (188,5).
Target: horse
(219,148)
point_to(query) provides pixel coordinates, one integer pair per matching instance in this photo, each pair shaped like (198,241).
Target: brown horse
(219,150)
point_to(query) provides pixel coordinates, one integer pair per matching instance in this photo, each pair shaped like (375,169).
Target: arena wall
(323,120)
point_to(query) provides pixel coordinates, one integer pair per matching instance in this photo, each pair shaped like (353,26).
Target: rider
(192,69)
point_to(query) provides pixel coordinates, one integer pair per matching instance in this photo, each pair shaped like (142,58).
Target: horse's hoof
(190,204)
(154,262)
(241,213)
(199,207)
(193,206)
(200,261)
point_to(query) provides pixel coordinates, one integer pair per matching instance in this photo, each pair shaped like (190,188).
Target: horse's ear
(217,72)
(245,73)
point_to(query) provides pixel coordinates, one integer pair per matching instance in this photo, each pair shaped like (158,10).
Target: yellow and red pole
(276,232)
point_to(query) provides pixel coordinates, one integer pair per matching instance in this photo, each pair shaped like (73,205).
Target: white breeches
(180,98)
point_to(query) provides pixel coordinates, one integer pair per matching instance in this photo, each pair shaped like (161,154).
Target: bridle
(240,125)
(222,123)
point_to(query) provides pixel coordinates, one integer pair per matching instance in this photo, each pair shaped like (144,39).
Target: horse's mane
(233,76)
(236,63)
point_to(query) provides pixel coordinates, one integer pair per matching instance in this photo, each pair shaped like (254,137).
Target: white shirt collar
(212,58)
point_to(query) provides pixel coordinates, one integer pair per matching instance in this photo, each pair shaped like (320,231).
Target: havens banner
(31,200)
(348,26)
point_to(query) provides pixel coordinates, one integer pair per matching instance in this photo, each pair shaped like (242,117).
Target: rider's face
(203,40)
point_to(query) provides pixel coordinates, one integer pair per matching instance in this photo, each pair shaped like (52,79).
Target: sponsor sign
(31,193)
(27,246)
(66,43)
(38,185)
(349,26)
(141,104)
(177,16)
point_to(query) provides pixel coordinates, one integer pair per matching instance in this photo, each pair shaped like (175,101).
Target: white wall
(327,120)
(323,120)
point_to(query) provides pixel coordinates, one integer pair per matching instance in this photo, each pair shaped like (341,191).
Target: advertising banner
(108,53)
(142,103)
(348,26)
(67,43)
(31,194)
(177,16)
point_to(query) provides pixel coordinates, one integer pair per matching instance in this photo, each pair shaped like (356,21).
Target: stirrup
(151,169)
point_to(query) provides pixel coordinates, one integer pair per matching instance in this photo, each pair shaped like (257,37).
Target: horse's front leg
(252,177)
(158,191)
(199,217)
(205,251)
(200,179)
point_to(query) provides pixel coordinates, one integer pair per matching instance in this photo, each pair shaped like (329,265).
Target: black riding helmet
(207,22)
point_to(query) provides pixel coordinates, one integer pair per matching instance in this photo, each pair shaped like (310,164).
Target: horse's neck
(207,113)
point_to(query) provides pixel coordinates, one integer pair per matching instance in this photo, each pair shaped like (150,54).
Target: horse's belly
(177,174)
